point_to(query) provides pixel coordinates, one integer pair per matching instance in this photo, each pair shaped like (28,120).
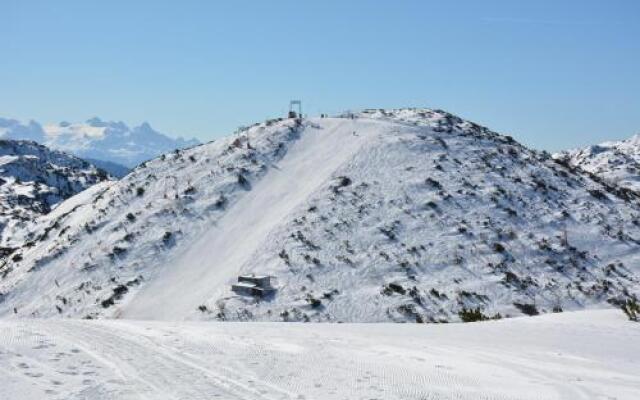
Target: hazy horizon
(554,76)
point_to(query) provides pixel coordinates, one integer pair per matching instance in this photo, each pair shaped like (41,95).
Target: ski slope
(209,266)
(404,215)
(581,355)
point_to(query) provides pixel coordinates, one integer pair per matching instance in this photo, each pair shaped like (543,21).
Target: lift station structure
(292,107)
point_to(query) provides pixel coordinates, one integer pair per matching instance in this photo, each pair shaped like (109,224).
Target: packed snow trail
(582,355)
(207,267)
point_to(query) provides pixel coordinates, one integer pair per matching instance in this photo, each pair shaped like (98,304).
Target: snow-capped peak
(97,139)
(617,162)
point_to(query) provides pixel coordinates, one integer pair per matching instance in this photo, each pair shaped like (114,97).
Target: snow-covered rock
(95,139)
(383,215)
(616,162)
(33,180)
(115,170)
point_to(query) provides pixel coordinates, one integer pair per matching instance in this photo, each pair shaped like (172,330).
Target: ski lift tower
(292,105)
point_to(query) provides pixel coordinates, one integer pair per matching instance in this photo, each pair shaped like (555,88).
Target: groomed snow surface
(579,355)
(220,252)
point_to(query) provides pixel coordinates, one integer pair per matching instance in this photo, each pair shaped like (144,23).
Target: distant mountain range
(113,146)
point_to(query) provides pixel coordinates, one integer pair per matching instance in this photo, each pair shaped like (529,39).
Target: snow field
(581,355)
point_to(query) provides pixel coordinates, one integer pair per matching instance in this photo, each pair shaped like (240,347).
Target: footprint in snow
(43,345)
(70,373)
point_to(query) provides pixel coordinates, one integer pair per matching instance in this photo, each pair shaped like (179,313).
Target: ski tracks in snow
(206,268)
(587,355)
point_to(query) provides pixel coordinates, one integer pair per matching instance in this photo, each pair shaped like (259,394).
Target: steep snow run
(583,355)
(211,263)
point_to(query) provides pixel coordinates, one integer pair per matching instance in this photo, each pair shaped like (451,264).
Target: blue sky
(553,74)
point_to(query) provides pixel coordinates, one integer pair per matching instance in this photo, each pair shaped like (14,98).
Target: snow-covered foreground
(580,355)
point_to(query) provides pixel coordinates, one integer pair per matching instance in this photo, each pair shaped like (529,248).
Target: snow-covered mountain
(33,180)
(383,215)
(114,143)
(616,162)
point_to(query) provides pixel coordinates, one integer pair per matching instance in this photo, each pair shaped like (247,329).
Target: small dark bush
(388,233)
(285,257)
(471,315)
(344,181)
(632,310)
(166,238)
(435,293)
(498,248)
(116,252)
(329,295)
(221,202)
(107,303)
(433,183)
(244,182)
(393,288)
(118,292)
(313,302)
(598,194)
(528,309)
